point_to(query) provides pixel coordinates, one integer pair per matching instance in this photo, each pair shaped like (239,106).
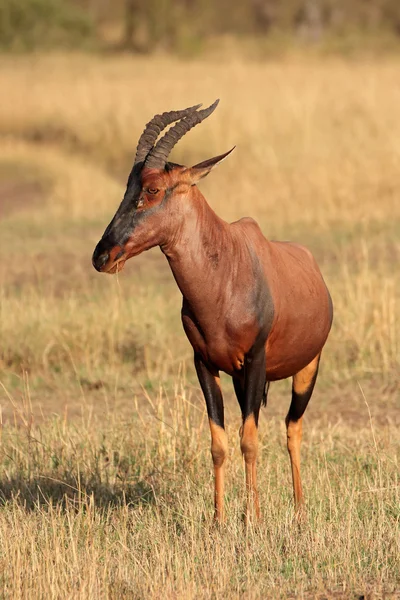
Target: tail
(265,394)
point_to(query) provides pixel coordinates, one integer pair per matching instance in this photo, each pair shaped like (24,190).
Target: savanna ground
(105,472)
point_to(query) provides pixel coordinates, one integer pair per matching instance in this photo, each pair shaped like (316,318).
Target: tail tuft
(265,395)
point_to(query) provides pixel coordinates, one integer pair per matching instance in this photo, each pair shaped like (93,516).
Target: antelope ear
(202,169)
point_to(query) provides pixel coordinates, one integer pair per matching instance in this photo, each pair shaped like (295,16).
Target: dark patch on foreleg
(210,384)
(250,389)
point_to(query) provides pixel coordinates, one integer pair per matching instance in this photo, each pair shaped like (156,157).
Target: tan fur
(219,452)
(249,447)
(303,379)
(294,435)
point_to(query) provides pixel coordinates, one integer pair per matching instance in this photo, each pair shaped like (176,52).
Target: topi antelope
(258,310)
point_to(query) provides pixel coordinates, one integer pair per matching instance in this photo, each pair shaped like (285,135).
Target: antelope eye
(153,190)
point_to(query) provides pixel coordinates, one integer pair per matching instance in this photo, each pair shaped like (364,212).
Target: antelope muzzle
(108,261)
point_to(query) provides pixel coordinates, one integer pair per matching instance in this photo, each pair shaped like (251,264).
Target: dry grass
(113,499)
(114,510)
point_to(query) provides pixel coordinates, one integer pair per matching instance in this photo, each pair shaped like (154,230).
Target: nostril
(100,261)
(104,258)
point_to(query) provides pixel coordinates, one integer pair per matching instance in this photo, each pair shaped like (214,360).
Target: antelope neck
(200,254)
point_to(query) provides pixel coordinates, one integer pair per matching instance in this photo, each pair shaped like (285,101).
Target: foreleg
(210,384)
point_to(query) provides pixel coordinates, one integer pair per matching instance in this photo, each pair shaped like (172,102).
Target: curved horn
(154,128)
(158,156)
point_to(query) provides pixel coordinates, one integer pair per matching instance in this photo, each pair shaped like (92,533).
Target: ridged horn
(155,127)
(158,156)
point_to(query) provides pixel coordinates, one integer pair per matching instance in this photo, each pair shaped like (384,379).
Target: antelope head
(156,193)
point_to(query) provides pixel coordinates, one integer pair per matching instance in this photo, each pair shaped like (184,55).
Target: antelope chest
(223,345)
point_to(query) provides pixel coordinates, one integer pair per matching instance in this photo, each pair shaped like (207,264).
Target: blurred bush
(185,26)
(171,23)
(31,24)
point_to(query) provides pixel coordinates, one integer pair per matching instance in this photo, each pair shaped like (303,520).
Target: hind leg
(302,389)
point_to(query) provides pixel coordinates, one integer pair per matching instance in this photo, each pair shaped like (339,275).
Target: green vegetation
(31,24)
(190,27)
(335,25)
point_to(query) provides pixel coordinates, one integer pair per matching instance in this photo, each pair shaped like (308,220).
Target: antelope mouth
(115,267)
(118,262)
(109,261)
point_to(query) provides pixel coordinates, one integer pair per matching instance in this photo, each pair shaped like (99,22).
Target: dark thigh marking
(303,386)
